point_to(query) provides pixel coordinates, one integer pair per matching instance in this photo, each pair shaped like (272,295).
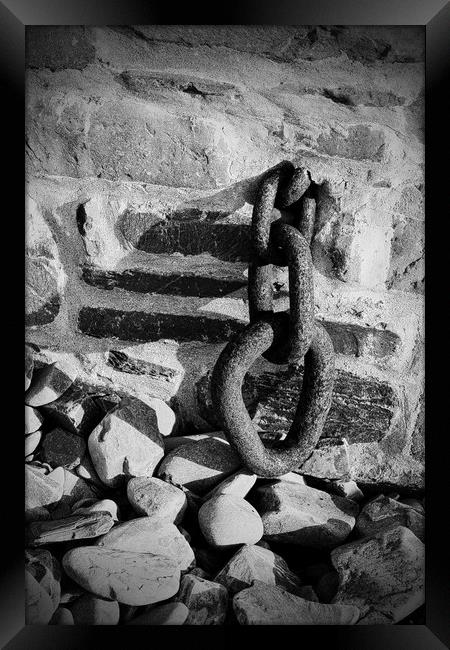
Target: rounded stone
(63,449)
(130,578)
(227,520)
(33,420)
(91,610)
(167,614)
(144,535)
(157,499)
(32,441)
(62,616)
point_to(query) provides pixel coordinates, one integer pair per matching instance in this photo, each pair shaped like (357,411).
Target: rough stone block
(44,275)
(383,575)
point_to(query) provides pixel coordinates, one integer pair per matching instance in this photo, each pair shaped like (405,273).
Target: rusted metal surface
(282,337)
(297,337)
(314,401)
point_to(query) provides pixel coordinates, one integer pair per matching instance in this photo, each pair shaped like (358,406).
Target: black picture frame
(434,15)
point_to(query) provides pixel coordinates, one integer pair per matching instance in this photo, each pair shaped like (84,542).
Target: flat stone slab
(264,604)
(69,528)
(383,575)
(297,514)
(130,578)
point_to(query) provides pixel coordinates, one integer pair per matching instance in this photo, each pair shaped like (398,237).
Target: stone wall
(144,148)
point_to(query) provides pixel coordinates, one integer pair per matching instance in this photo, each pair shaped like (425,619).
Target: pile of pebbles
(129,522)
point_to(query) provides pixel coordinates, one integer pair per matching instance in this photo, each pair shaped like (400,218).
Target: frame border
(434,15)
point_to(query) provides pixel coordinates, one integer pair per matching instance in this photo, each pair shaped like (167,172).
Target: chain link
(280,337)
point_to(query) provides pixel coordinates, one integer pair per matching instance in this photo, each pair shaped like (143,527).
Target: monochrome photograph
(225,332)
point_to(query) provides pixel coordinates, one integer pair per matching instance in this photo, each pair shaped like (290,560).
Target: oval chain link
(280,337)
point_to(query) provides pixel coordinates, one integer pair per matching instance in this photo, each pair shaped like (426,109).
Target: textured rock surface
(200,466)
(238,484)
(129,578)
(49,383)
(44,275)
(75,527)
(42,489)
(262,604)
(74,411)
(227,520)
(384,512)
(167,614)
(63,449)
(62,616)
(91,610)
(157,499)
(382,574)
(251,563)
(88,506)
(298,514)
(33,419)
(207,601)
(144,535)
(32,440)
(126,443)
(45,568)
(38,605)
(29,366)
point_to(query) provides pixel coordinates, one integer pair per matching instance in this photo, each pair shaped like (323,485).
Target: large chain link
(280,337)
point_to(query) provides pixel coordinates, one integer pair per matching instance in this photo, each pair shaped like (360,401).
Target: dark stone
(122,361)
(58,47)
(353,339)
(74,411)
(347,338)
(174,284)
(141,326)
(361,409)
(148,84)
(63,448)
(368,97)
(226,241)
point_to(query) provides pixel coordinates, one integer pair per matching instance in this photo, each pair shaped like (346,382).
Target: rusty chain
(280,337)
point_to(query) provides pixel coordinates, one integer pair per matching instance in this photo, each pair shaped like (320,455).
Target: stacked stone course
(145,145)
